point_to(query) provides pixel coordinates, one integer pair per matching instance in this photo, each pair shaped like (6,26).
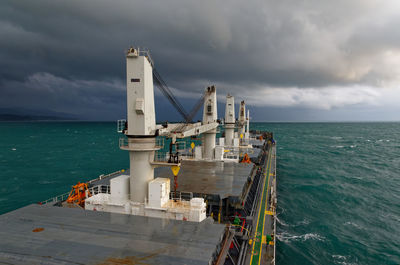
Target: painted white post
(229,120)
(248,125)
(242,118)
(209,116)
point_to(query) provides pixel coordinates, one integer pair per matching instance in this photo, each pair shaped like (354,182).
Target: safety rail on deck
(59,198)
(100,189)
(64,196)
(231,153)
(162,156)
(145,52)
(106,176)
(124,143)
(181,195)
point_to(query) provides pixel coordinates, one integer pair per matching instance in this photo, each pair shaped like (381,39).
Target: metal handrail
(64,196)
(231,153)
(58,198)
(105,189)
(179,195)
(123,142)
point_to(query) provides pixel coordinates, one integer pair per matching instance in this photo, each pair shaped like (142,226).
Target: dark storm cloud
(70,53)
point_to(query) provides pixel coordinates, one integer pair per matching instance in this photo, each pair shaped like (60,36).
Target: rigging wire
(188,117)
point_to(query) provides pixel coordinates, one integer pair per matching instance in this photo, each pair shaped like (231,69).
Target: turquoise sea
(338,183)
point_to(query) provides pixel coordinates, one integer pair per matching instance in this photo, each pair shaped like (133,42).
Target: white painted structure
(141,122)
(247,133)
(242,118)
(229,120)
(159,205)
(209,117)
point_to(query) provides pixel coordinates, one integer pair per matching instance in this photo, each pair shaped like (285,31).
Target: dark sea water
(338,183)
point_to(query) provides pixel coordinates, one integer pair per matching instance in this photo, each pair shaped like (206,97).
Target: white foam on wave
(14,149)
(339,259)
(337,146)
(352,224)
(303,222)
(281,222)
(353,146)
(287,238)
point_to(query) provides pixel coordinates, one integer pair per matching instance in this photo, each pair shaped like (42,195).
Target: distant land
(12,114)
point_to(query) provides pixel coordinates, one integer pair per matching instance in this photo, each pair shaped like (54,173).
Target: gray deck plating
(74,236)
(218,178)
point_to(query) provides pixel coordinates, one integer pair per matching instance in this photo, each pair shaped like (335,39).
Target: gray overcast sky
(290,60)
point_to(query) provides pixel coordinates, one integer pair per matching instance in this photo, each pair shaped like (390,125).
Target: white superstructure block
(229,120)
(159,190)
(119,188)
(209,116)
(140,94)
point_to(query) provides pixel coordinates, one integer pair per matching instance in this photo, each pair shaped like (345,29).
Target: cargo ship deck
(46,234)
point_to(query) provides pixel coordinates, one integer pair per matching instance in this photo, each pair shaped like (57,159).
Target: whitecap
(352,146)
(281,222)
(14,149)
(286,237)
(337,146)
(339,259)
(352,224)
(303,222)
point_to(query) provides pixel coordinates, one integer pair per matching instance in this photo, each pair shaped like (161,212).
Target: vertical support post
(209,116)
(229,120)
(242,118)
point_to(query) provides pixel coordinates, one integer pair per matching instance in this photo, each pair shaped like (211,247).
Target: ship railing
(181,195)
(58,198)
(231,153)
(124,143)
(105,189)
(106,176)
(145,52)
(162,156)
(64,196)
(188,155)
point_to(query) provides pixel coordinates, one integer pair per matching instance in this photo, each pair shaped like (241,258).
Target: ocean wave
(339,259)
(287,238)
(281,222)
(46,182)
(352,224)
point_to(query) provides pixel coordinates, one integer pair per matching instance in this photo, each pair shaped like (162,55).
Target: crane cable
(168,94)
